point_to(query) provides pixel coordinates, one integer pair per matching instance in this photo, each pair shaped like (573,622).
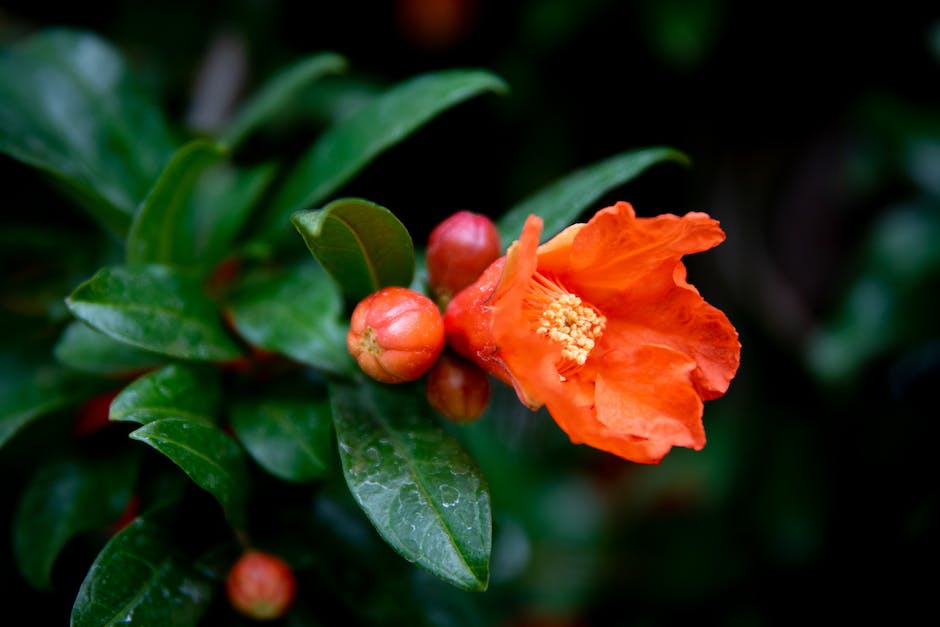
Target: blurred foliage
(813,135)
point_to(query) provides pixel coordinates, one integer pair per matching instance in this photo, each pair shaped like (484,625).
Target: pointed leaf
(61,501)
(218,208)
(296,313)
(139,578)
(362,245)
(210,458)
(156,308)
(69,106)
(290,438)
(278,92)
(420,489)
(351,144)
(84,349)
(29,390)
(188,391)
(161,227)
(560,203)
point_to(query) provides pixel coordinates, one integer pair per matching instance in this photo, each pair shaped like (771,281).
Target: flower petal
(527,358)
(556,252)
(640,405)
(521,262)
(665,310)
(616,250)
(646,398)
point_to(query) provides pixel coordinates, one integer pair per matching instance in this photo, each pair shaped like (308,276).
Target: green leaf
(140,578)
(84,349)
(290,438)
(560,203)
(348,146)
(422,492)
(161,229)
(207,455)
(69,106)
(220,205)
(29,390)
(62,500)
(156,308)
(362,245)
(295,313)
(336,99)
(188,391)
(278,92)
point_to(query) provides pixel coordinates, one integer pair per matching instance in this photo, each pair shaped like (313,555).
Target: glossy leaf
(290,438)
(278,92)
(161,227)
(207,455)
(139,578)
(424,494)
(69,107)
(362,245)
(62,500)
(347,147)
(188,391)
(560,203)
(294,313)
(82,348)
(220,205)
(156,308)
(29,390)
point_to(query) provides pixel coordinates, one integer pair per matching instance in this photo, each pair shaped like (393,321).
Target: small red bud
(261,585)
(395,334)
(458,389)
(459,249)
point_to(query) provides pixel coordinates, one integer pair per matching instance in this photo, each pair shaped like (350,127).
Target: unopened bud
(457,388)
(459,249)
(261,585)
(395,334)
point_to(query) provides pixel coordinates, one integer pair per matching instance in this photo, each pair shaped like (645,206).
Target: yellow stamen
(565,319)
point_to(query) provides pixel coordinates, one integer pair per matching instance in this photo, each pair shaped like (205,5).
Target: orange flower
(600,325)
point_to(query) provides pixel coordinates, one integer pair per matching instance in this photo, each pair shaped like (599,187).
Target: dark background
(814,136)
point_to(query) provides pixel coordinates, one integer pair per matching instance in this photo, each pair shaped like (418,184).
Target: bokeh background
(814,137)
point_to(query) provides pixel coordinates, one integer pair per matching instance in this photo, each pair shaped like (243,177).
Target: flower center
(565,319)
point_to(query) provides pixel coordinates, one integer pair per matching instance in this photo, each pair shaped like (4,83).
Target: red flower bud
(458,388)
(459,249)
(261,585)
(395,334)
